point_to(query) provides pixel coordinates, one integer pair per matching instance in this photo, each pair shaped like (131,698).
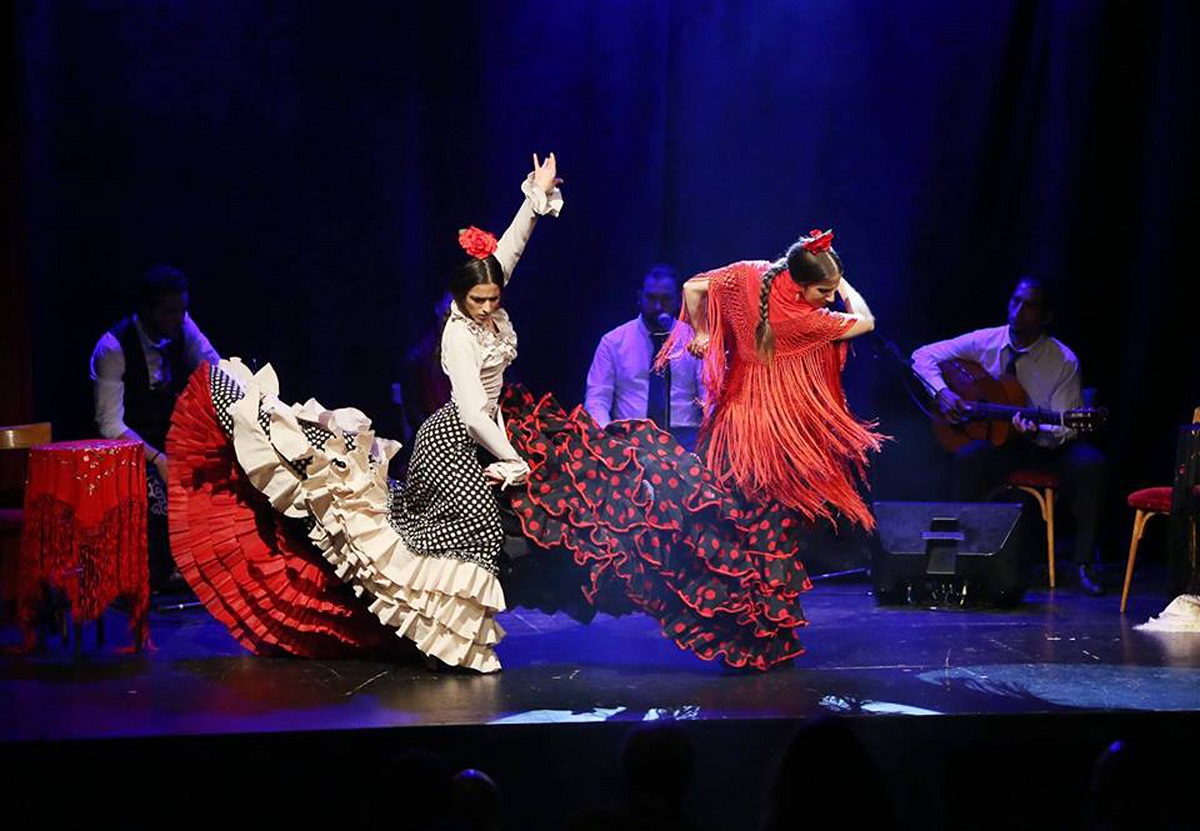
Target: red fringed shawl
(781,430)
(85,531)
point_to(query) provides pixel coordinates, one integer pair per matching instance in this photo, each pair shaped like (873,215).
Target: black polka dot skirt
(446,508)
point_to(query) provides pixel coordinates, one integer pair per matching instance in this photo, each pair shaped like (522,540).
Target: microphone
(664,321)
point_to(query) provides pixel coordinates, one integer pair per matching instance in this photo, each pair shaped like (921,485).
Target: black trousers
(162,563)
(979,467)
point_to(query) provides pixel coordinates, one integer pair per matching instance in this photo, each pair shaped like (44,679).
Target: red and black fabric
(254,570)
(645,521)
(84,532)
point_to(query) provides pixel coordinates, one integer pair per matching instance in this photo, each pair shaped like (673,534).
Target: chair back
(22,436)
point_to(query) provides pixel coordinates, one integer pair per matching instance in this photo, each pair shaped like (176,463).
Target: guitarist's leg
(1082,469)
(978,468)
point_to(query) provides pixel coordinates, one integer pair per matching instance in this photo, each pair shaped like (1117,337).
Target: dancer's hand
(494,476)
(545,174)
(698,346)
(160,462)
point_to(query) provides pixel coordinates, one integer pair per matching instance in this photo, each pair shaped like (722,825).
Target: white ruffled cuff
(511,471)
(543,203)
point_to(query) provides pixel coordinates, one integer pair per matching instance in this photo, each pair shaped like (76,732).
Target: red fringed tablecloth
(85,530)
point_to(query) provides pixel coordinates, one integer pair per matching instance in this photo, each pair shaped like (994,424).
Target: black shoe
(1089,579)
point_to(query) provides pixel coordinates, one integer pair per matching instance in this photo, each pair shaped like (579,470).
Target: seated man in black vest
(138,368)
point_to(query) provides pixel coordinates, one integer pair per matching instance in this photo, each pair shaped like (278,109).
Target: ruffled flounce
(1181,615)
(445,606)
(721,574)
(252,570)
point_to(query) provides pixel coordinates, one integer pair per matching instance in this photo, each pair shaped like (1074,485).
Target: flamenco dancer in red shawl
(779,428)
(713,550)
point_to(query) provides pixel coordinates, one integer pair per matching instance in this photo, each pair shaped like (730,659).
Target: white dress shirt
(618,382)
(108,370)
(1047,370)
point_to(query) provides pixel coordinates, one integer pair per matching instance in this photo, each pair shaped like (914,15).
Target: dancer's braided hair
(764,335)
(805,268)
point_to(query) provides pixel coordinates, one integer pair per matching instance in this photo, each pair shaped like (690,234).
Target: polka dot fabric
(722,575)
(316,435)
(224,391)
(446,508)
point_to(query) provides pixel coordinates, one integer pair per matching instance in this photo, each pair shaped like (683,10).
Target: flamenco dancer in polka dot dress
(713,549)
(422,556)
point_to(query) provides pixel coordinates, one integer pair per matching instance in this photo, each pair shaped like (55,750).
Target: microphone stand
(885,346)
(666,322)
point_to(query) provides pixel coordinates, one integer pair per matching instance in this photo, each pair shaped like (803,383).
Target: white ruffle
(445,606)
(1181,615)
(497,347)
(543,203)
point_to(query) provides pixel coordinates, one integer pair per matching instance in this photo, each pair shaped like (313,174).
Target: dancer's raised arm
(542,197)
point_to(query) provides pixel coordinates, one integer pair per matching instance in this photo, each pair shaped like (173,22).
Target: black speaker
(949,554)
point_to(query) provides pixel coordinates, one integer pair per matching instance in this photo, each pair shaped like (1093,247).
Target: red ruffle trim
(722,575)
(253,571)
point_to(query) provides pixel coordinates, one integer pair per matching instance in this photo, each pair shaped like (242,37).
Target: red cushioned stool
(1147,502)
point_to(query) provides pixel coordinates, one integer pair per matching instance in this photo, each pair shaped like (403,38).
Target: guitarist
(1049,374)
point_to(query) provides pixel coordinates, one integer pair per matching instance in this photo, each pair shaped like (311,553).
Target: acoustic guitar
(991,404)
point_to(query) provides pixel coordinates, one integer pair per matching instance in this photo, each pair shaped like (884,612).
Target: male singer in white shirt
(620,383)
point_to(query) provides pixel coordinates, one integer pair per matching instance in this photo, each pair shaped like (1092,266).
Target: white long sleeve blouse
(474,356)
(107,370)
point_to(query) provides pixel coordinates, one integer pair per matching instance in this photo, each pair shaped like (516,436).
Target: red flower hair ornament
(477,242)
(818,241)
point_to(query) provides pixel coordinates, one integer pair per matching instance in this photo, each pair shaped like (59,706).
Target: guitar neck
(983,409)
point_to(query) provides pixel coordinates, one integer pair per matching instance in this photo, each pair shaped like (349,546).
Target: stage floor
(1060,651)
(974,719)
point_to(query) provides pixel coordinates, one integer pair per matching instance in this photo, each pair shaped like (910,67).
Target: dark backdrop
(308,164)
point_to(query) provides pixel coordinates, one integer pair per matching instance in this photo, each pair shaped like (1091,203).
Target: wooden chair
(1147,503)
(20,437)
(24,436)
(1042,486)
(12,517)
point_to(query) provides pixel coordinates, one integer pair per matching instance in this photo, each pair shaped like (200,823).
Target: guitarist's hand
(953,407)
(1023,425)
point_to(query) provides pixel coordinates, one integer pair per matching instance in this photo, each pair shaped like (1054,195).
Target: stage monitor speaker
(949,554)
